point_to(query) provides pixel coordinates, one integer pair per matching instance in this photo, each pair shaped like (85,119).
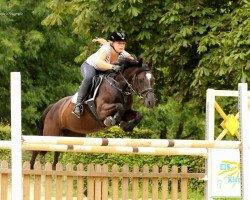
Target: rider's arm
(130,56)
(127,55)
(100,61)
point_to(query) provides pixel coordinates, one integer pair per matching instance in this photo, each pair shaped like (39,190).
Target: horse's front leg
(130,119)
(111,113)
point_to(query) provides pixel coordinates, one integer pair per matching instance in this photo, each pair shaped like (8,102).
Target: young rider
(98,62)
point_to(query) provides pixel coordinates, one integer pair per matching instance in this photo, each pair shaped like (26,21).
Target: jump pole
(117,149)
(16,149)
(128,142)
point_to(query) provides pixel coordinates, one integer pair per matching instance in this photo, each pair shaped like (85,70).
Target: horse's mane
(129,62)
(135,62)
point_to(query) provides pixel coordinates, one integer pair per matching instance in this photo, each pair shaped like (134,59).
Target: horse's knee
(128,126)
(119,107)
(119,112)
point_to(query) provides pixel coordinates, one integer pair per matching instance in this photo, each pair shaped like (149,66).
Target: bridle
(141,94)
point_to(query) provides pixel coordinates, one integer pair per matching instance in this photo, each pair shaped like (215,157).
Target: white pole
(210,117)
(16,150)
(245,140)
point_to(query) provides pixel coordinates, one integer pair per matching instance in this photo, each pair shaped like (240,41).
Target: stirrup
(109,121)
(78,114)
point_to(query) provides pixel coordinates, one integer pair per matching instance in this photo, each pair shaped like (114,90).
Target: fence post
(210,117)
(184,184)
(245,140)
(4,181)
(174,186)
(16,145)
(165,183)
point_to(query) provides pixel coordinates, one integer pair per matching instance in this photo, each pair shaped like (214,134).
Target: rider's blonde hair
(101,41)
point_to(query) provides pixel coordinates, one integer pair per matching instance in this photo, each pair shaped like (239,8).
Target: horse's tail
(40,124)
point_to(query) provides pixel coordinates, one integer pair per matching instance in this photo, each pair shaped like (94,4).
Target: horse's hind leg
(51,128)
(40,127)
(56,158)
(33,159)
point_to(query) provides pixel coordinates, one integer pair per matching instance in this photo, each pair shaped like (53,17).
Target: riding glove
(116,68)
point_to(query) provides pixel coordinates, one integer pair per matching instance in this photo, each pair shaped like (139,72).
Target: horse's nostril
(149,104)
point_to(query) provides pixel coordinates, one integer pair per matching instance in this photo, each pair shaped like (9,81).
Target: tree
(189,42)
(225,49)
(43,55)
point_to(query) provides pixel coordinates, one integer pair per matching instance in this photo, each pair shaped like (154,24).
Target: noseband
(146,91)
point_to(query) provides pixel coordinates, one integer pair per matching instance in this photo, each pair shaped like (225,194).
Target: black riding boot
(82,94)
(78,109)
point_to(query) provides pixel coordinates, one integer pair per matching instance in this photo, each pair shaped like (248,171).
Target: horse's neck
(123,80)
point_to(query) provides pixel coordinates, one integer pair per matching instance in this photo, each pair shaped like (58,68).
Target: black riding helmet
(117,36)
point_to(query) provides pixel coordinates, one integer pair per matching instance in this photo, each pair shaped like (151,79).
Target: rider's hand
(116,68)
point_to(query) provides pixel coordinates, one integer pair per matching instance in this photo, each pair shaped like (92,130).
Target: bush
(5,133)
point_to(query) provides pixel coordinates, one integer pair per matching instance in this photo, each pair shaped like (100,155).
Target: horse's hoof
(109,121)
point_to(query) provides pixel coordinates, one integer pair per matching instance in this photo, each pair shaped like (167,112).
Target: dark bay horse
(113,106)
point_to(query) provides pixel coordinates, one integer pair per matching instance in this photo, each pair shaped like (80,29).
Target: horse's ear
(150,65)
(140,62)
(134,57)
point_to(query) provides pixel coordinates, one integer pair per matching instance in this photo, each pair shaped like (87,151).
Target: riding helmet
(118,36)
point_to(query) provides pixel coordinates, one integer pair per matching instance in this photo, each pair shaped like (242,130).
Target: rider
(98,62)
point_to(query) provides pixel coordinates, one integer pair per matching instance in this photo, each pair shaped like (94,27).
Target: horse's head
(140,77)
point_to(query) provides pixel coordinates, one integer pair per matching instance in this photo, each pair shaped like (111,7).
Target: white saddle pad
(74,98)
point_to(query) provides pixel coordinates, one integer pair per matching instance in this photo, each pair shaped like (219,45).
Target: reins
(128,84)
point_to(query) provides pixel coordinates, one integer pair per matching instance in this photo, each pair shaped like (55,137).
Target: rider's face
(119,46)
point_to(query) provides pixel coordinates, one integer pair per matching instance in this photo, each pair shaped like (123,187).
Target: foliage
(194,45)
(4,132)
(43,55)
(185,35)
(175,120)
(225,48)
(190,42)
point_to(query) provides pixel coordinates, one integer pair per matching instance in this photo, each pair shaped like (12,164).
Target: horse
(113,103)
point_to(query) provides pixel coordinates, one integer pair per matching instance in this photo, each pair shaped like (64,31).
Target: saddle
(90,100)
(96,82)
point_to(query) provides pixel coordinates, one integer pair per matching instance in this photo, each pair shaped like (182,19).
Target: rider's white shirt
(107,48)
